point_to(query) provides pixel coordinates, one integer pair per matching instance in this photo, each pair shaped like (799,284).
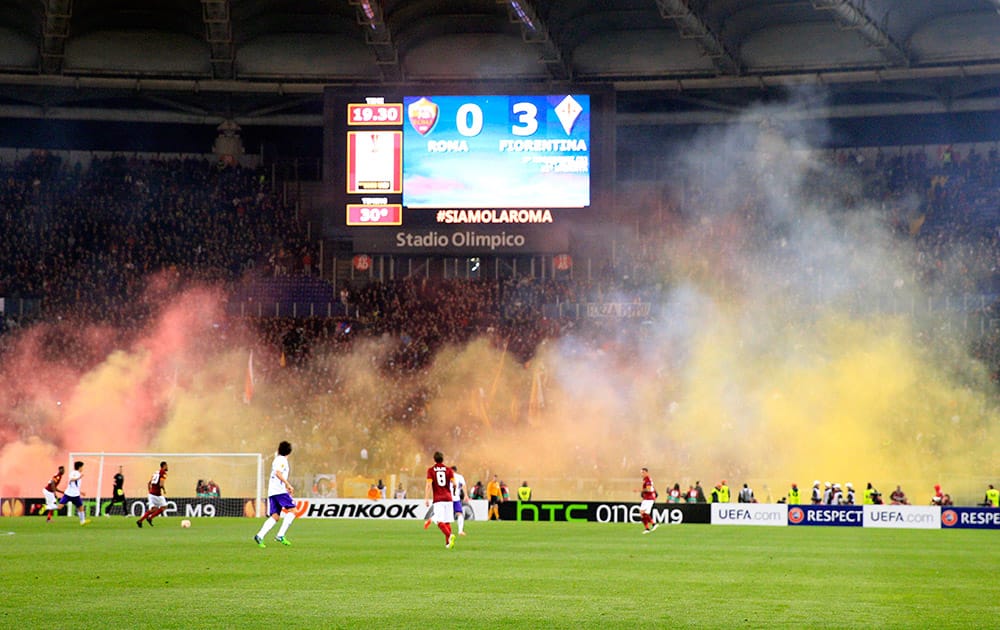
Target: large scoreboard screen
(496,151)
(408,159)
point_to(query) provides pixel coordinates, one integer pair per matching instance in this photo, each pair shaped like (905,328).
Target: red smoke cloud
(70,387)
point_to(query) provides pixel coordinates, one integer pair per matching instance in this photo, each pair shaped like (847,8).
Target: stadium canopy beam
(850,16)
(55,31)
(534,31)
(817,112)
(378,37)
(277,107)
(172,103)
(219,36)
(691,25)
(827,77)
(300,85)
(37,112)
(704,117)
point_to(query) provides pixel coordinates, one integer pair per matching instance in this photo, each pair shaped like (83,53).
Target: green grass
(386,574)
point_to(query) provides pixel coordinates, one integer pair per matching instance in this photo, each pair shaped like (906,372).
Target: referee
(118,494)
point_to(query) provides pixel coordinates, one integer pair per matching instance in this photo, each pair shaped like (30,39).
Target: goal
(235,488)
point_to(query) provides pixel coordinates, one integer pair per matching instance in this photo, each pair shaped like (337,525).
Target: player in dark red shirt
(439,479)
(50,491)
(156,499)
(648,494)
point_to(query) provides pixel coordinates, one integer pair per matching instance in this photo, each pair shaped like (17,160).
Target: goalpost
(238,478)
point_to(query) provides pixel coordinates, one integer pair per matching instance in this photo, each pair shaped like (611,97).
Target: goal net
(197,485)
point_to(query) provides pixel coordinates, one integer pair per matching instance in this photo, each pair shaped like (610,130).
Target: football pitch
(393,574)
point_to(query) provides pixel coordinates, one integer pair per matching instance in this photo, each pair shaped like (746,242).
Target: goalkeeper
(117,494)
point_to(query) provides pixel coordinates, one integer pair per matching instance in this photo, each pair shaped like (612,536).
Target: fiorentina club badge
(423,114)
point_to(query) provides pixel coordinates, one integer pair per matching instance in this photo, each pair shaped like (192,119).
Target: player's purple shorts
(280,502)
(458,506)
(77,501)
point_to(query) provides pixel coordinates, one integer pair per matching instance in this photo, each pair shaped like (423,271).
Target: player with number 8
(438,487)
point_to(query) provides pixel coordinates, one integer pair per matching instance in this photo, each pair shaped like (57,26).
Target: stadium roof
(671,61)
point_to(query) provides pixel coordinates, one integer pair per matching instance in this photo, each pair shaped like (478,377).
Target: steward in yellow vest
(793,495)
(992,497)
(524,492)
(723,492)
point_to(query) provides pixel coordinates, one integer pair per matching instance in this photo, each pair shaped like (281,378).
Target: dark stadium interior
(672,62)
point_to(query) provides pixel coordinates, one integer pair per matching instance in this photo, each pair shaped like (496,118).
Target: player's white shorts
(646,506)
(443,511)
(156,501)
(51,502)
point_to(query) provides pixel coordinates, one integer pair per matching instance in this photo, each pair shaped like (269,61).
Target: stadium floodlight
(240,477)
(523,14)
(368,9)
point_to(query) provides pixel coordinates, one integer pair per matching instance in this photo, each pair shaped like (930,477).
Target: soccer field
(392,574)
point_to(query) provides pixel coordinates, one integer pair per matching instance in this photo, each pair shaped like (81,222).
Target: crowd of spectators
(85,240)
(947,203)
(943,199)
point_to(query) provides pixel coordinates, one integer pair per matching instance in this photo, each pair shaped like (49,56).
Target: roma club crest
(423,115)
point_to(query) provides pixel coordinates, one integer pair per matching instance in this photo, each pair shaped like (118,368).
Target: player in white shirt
(279,498)
(72,493)
(458,494)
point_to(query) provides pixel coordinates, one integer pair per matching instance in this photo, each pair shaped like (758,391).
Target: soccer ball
(185,523)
